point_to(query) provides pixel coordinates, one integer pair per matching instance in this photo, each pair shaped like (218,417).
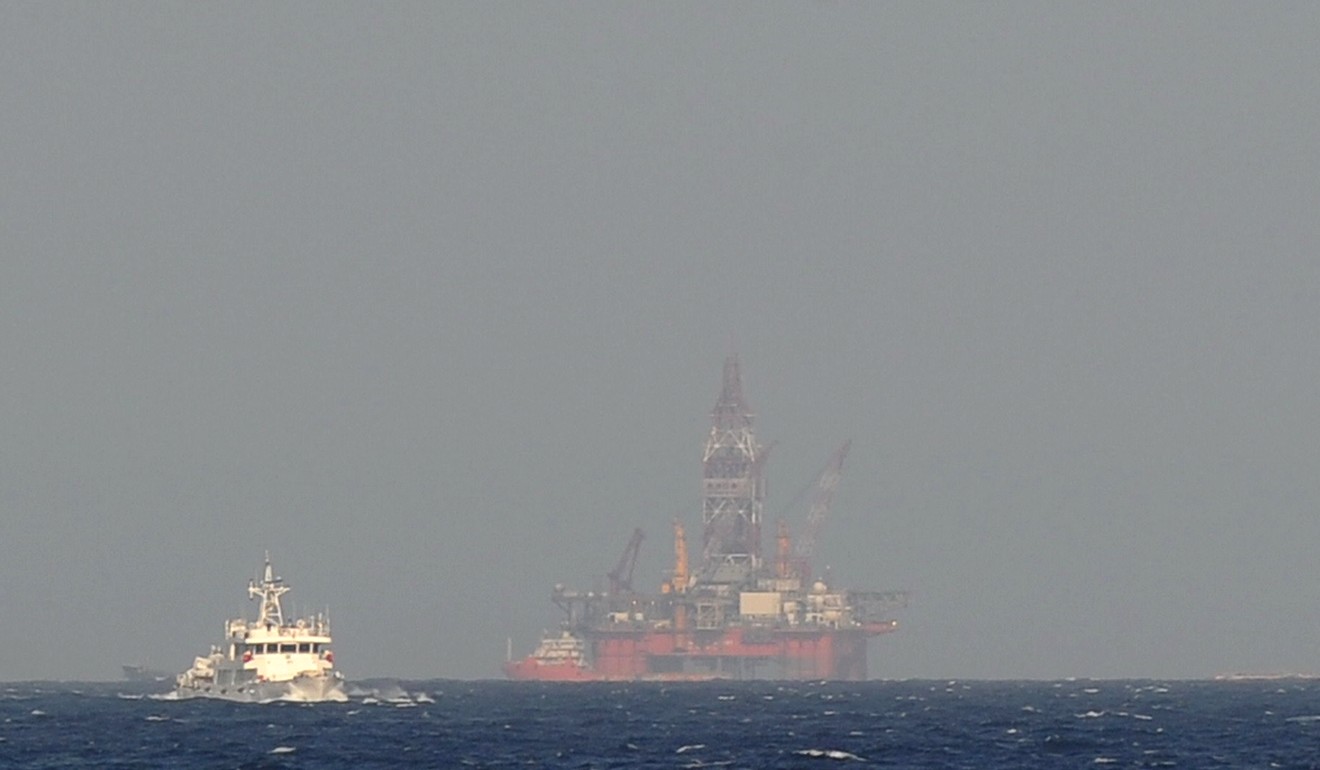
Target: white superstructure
(268,658)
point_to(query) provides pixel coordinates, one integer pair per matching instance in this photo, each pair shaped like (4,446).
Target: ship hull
(303,689)
(529,669)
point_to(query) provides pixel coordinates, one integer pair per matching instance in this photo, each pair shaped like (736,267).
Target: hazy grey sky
(431,300)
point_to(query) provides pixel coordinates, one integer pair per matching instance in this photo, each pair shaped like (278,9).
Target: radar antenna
(269,590)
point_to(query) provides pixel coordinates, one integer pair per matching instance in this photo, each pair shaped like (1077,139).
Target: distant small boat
(144,674)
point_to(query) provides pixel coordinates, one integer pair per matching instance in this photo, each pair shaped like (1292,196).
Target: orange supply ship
(737,615)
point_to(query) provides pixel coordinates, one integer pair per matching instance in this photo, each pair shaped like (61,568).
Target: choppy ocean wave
(767,725)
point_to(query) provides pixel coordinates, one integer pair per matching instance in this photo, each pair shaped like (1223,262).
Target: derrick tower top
(732,485)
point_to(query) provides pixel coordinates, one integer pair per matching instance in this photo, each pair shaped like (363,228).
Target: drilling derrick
(733,487)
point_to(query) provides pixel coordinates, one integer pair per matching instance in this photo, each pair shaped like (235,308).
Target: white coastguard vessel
(268,658)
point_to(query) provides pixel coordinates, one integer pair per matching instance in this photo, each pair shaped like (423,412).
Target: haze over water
(431,302)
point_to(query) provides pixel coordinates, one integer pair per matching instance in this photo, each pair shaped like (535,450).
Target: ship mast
(732,485)
(269,590)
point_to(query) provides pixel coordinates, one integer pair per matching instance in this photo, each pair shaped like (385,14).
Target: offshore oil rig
(735,614)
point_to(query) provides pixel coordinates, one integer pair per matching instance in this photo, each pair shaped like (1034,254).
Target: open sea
(910,724)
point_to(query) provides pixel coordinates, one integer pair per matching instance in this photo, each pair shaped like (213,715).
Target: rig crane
(820,506)
(621,576)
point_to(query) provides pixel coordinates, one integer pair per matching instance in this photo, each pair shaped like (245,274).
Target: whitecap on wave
(392,695)
(829,754)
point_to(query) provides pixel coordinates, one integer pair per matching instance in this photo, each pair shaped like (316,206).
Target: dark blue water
(914,724)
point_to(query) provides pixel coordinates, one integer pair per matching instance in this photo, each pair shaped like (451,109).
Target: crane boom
(820,506)
(621,576)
